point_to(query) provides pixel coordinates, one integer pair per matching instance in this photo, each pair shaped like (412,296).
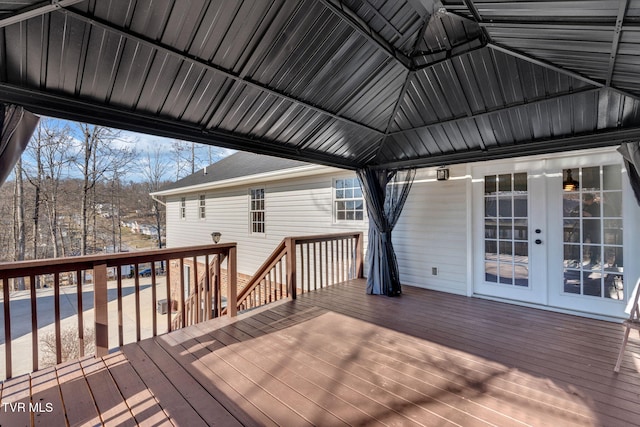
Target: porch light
(442,174)
(215,236)
(569,184)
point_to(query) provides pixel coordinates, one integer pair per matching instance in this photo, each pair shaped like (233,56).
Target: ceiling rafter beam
(580,142)
(127,34)
(468,48)
(380,16)
(361,27)
(561,70)
(622,11)
(35,10)
(69,108)
(503,109)
(477,17)
(564,25)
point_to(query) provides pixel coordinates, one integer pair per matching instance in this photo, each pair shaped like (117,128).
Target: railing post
(100,301)
(359,255)
(232,285)
(291,266)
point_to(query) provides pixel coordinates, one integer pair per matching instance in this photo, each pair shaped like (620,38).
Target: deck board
(339,357)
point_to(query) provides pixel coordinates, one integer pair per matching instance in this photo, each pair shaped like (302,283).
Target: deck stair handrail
(204,300)
(54,271)
(301,264)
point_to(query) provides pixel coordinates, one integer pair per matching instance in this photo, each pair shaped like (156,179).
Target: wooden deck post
(100,301)
(232,283)
(291,266)
(360,255)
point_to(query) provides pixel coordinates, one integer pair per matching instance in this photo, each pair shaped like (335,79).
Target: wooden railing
(302,264)
(48,275)
(205,299)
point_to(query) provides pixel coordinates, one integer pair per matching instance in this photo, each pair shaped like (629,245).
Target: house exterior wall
(432,232)
(439,238)
(293,207)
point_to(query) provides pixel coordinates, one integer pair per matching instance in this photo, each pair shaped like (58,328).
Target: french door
(510,233)
(550,232)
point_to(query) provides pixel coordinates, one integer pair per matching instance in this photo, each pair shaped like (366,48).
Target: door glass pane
(521,275)
(611,177)
(506,229)
(504,183)
(504,205)
(490,185)
(592,233)
(520,182)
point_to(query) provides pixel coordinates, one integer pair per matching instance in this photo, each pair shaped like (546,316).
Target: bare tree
(18,209)
(98,158)
(154,173)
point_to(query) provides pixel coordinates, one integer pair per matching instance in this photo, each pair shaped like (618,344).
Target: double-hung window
(183,207)
(203,207)
(256,211)
(348,201)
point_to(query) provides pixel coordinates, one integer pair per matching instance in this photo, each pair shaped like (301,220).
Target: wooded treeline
(72,190)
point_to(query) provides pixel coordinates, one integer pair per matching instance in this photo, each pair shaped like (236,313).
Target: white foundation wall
(433,232)
(293,207)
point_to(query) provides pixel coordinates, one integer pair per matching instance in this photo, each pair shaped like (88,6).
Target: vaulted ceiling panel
(342,82)
(396,22)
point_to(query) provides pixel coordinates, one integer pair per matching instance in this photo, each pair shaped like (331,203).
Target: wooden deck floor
(339,357)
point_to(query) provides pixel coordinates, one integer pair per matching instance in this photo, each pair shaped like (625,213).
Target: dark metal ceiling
(345,83)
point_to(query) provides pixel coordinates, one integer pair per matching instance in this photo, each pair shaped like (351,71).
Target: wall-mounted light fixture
(215,236)
(442,174)
(570,184)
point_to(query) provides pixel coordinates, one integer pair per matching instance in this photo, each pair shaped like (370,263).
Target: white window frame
(183,208)
(353,194)
(257,210)
(202,206)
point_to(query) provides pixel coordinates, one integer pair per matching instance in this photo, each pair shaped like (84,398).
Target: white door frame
(536,291)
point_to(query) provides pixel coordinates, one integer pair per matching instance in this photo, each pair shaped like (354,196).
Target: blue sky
(146,144)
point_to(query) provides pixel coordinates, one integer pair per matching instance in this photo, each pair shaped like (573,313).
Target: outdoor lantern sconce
(569,184)
(442,174)
(215,236)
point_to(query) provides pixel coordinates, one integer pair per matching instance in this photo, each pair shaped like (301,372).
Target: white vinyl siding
(296,207)
(432,233)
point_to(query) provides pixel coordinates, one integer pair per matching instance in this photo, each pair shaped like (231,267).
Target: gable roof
(238,167)
(346,83)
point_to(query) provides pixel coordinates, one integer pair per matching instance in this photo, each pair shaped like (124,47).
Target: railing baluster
(232,285)
(280,279)
(56,305)
(34,323)
(207,288)
(7,326)
(196,285)
(120,311)
(182,301)
(136,284)
(315,267)
(308,287)
(342,278)
(169,301)
(80,312)
(154,300)
(101,311)
(216,286)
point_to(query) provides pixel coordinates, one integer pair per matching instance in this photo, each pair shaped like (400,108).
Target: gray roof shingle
(238,165)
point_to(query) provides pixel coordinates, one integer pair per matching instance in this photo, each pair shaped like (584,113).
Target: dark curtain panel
(385,192)
(631,154)
(16,127)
